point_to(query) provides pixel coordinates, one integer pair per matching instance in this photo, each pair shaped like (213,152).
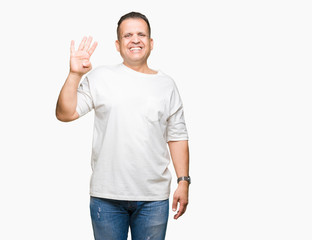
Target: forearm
(180,157)
(67,101)
(179,151)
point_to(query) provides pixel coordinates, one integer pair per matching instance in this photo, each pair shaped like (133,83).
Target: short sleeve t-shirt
(136,114)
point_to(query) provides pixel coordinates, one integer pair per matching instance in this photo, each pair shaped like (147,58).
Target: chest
(133,98)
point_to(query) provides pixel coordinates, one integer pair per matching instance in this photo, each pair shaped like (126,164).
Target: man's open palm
(80,59)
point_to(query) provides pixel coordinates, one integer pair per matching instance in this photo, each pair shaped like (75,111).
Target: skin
(134,33)
(179,152)
(79,65)
(134,46)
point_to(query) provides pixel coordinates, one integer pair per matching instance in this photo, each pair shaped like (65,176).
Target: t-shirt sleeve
(176,127)
(84,98)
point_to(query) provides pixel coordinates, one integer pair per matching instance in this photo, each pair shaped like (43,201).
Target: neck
(142,68)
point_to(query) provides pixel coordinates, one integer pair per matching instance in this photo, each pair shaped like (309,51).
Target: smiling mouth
(135,49)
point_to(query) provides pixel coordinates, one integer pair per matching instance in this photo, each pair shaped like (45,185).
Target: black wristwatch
(188,179)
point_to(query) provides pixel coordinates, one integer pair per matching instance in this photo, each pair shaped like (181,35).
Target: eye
(127,35)
(142,34)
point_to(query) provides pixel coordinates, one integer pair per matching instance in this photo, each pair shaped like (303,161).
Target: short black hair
(133,15)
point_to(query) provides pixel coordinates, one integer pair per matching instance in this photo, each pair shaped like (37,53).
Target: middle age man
(137,112)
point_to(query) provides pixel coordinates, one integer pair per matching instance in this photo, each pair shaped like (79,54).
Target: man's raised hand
(80,59)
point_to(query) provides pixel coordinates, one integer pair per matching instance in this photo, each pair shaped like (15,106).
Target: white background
(243,69)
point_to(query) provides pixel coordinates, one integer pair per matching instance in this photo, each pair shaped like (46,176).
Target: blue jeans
(111,219)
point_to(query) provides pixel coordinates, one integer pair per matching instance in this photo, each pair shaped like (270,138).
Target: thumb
(86,64)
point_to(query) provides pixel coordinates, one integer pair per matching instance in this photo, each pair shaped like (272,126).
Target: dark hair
(133,15)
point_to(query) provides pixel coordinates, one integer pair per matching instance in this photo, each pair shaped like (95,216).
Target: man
(137,112)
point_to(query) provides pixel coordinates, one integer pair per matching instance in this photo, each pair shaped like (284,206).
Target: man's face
(134,43)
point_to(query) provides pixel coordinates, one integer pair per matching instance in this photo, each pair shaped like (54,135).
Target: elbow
(60,117)
(64,118)
(65,114)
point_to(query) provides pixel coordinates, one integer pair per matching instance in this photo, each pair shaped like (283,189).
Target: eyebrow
(126,33)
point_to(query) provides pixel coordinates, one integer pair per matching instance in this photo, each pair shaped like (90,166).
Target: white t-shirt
(136,114)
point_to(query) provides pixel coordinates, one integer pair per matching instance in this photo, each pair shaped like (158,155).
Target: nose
(135,39)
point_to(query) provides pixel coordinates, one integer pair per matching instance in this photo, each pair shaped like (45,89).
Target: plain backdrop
(243,69)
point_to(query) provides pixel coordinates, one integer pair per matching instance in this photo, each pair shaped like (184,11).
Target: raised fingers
(91,50)
(85,45)
(88,43)
(72,46)
(82,44)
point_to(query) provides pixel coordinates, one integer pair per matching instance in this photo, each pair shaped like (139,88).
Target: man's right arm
(79,65)
(67,101)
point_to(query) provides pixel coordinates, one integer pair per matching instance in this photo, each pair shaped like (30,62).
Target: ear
(117,45)
(152,43)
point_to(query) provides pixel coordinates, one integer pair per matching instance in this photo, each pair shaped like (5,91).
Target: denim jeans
(111,219)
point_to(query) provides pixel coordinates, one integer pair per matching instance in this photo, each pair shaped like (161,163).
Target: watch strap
(185,178)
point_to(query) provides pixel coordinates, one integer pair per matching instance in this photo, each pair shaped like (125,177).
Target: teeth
(136,48)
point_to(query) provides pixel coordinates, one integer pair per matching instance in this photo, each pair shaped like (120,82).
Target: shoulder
(103,70)
(168,79)
(101,74)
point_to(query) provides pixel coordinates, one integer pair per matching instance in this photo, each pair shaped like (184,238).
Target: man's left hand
(180,196)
